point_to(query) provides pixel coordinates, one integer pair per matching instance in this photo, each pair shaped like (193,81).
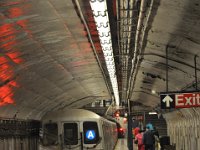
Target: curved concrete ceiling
(47,62)
(175,29)
(51,58)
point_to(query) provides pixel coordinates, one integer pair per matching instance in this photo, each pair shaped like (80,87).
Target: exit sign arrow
(167,100)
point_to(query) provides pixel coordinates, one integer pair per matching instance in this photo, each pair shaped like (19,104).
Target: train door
(71,136)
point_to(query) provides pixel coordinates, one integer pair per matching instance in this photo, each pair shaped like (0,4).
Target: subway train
(77,129)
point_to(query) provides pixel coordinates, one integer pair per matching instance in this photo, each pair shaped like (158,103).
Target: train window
(50,134)
(70,133)
(91,133)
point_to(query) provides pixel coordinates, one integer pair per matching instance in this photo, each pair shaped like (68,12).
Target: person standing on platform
(136,131)
(148,139)
(156,135)
(138,140)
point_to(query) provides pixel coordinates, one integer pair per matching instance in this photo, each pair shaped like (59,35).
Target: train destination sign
(90,135)
(180,100)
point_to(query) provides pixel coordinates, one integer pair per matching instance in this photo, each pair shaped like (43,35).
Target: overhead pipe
(128,35)
(167,72)
(138,31)
(130,15)
(127,15)
(130,134)
(195,65)
(118,23)
(137,52)
(139,25)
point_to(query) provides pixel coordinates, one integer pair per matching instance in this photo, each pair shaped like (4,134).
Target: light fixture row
(100,13)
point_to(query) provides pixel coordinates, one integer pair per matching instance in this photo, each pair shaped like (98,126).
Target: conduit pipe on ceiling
(127,11)
(129,15)
(137,50)
(123,36)
(139,27)
(138,31)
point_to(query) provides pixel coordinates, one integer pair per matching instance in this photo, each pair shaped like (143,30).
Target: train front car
(77,129)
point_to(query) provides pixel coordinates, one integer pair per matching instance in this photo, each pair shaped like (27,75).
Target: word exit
(179,100)
(187,100)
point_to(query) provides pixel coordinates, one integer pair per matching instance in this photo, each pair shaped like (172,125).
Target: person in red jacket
(139,142)
(136,131)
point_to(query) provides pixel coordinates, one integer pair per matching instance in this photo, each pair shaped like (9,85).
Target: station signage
(180,100)
(90,135)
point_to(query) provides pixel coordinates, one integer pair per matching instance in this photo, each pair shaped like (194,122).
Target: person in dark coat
(155,132)
(156,135)
(148,139)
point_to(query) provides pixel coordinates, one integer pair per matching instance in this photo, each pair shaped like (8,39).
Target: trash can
(164,140)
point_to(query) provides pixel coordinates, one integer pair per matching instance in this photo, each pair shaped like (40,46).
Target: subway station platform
(122,145)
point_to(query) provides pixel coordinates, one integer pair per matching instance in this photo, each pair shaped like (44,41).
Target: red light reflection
(6,95)
(6,72)
(3,60)
(11,53)
(14,57)
(6,30)
(4,67)
(15,12)
(13,83)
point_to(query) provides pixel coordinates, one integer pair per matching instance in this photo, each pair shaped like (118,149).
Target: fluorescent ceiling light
(153,91)
(153,113)
(100,13)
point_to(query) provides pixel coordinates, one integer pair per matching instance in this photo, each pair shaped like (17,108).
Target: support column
(130,136)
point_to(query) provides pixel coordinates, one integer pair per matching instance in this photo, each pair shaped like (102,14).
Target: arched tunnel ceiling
(51,58)
(47,62)
(175,27)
